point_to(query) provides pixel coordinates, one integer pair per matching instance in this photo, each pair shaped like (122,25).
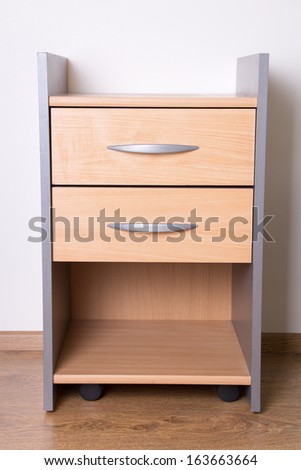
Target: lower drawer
(152,224)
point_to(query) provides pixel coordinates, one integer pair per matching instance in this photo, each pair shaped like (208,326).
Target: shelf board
(153,101)
(151,352)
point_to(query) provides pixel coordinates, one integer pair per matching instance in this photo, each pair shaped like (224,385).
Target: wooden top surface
(173,101)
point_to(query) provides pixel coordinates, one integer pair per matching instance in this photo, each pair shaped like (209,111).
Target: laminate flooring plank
(148,416)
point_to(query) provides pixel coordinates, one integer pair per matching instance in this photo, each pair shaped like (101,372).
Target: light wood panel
(175,101)
(81,207)
(150,291)
(80,138)
(190,352)
(60,306)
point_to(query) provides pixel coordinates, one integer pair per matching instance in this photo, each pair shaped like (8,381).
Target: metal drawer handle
(153,228)
(153,148)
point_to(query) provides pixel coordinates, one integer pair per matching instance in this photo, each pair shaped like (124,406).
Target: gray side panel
(252,79)
(52,79)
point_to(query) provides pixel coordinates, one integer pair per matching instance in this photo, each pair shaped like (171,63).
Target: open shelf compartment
(150,351)
(164,323)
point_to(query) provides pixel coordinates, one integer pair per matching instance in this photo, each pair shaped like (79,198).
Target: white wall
(187,46)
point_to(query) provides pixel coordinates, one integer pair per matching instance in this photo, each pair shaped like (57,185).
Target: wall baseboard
(281,342)
(33,341)
(21,341)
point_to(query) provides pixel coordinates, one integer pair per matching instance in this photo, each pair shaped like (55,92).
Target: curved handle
(153,148)
(152,228)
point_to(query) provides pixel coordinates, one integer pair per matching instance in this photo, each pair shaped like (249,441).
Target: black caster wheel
(91,392)
(228,392)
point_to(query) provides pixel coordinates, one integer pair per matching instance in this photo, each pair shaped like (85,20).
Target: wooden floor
(148,416)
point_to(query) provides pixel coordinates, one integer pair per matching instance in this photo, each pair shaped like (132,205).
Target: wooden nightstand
(150,270)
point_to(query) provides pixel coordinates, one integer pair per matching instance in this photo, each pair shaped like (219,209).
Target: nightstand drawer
(222,142)
(152,224)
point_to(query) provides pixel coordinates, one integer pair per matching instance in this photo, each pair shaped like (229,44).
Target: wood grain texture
(168,352)
(80,137)
(148,416)
(60,306)
(21,340)
(33,340)
(82,206)
(173,101)
(281,342)
(242,307)
(150,291)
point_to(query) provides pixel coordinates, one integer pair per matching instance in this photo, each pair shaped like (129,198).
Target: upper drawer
(81,137)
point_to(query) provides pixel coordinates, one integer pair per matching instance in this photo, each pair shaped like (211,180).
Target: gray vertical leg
(52,79)
(252,79)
